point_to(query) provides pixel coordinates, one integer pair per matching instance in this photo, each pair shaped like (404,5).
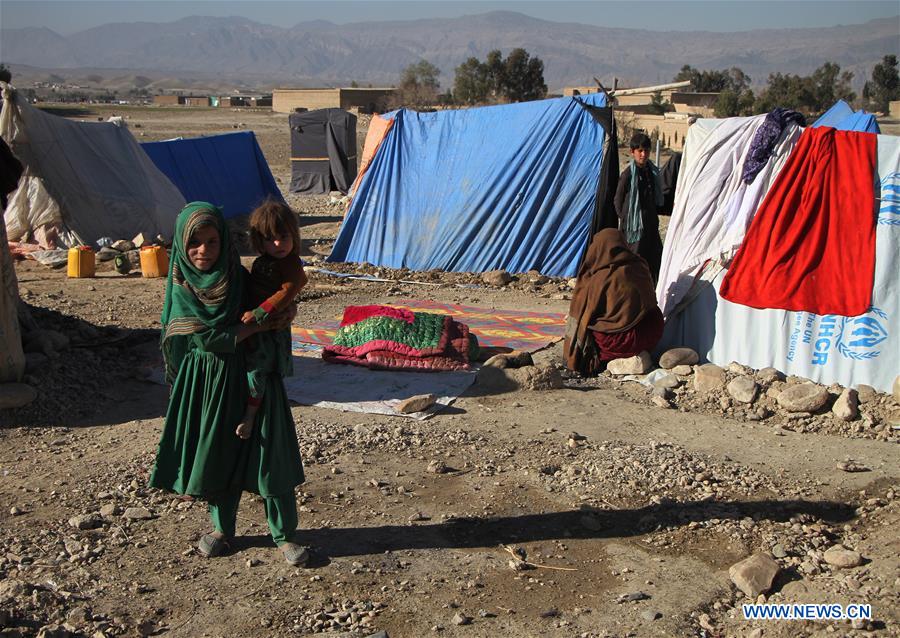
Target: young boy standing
(638,202)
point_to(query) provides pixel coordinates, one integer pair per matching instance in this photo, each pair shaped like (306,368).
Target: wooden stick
(517,557)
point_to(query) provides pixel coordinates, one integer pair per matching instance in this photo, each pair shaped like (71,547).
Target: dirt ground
(628,515)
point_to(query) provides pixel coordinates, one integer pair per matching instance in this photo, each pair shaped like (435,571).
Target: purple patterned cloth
(765,139)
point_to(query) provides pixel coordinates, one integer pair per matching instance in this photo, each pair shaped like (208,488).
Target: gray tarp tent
(82,180)
(323,151)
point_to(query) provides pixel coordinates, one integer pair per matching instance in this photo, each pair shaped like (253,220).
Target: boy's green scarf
(633,228)
(197,300)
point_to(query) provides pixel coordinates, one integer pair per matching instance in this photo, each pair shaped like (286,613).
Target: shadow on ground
(476,532)
(85,374)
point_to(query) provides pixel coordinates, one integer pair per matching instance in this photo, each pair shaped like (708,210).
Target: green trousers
(281,513)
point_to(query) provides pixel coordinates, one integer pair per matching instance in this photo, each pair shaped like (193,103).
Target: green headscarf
(197,300)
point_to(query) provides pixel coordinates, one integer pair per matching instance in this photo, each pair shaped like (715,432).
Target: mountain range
(325,54)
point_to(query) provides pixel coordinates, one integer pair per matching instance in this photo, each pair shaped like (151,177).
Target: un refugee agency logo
(889,212)
(856,338)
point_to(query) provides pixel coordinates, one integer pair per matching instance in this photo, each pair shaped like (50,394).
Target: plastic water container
(81,262)
(154,261)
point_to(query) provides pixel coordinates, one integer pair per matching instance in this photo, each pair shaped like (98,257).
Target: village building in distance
(635,108)
(224,101)
(365,100)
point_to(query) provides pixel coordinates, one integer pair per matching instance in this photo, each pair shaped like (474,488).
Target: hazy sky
(68,16)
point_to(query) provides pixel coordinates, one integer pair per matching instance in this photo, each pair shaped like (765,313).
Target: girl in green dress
(199,453)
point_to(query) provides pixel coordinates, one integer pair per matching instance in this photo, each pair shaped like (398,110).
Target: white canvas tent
(82,180)
(826,349)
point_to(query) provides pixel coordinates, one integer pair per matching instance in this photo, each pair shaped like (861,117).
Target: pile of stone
(50,573)
(41,345)
(59,350)
(348,615)
(532,281)
(794,403)
(620,473)
(39,609)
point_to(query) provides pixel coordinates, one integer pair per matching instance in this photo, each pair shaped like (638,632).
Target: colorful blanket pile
(513,329)
(382,337)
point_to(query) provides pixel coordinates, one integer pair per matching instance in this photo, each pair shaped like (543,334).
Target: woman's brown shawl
(613,293)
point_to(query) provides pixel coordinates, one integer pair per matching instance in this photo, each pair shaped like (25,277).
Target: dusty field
(633,523)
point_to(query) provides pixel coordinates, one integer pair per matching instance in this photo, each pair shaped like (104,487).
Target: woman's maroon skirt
(643,336)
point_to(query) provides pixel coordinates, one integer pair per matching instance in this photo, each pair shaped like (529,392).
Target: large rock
(519,359)
(437,466)
(846,405)
(16,395)
(497,278)
(743,389)
(840,556)
(682,370)
(638,364)
(537,378)
(416,404)
(497,361)
(678,357)
(514,359)
(769,375)
(461,619)
(867,393)
(708,377)
(537,278)
(492,380)
(137,514)
(86,521)
(668,381)
(803,397)
(109,510)
(754,575)
(739,368)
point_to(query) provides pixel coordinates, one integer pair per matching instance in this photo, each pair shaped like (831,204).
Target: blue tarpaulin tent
(226,170)
(514,186)
(842,117)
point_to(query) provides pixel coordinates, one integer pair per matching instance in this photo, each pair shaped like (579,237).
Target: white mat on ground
(355,389)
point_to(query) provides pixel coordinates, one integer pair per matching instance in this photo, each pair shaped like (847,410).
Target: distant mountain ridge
(322,53)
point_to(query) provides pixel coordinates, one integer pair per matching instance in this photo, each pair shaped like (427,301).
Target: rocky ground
(597,507)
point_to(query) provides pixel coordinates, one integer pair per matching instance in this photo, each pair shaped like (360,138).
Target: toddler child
(275,280)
